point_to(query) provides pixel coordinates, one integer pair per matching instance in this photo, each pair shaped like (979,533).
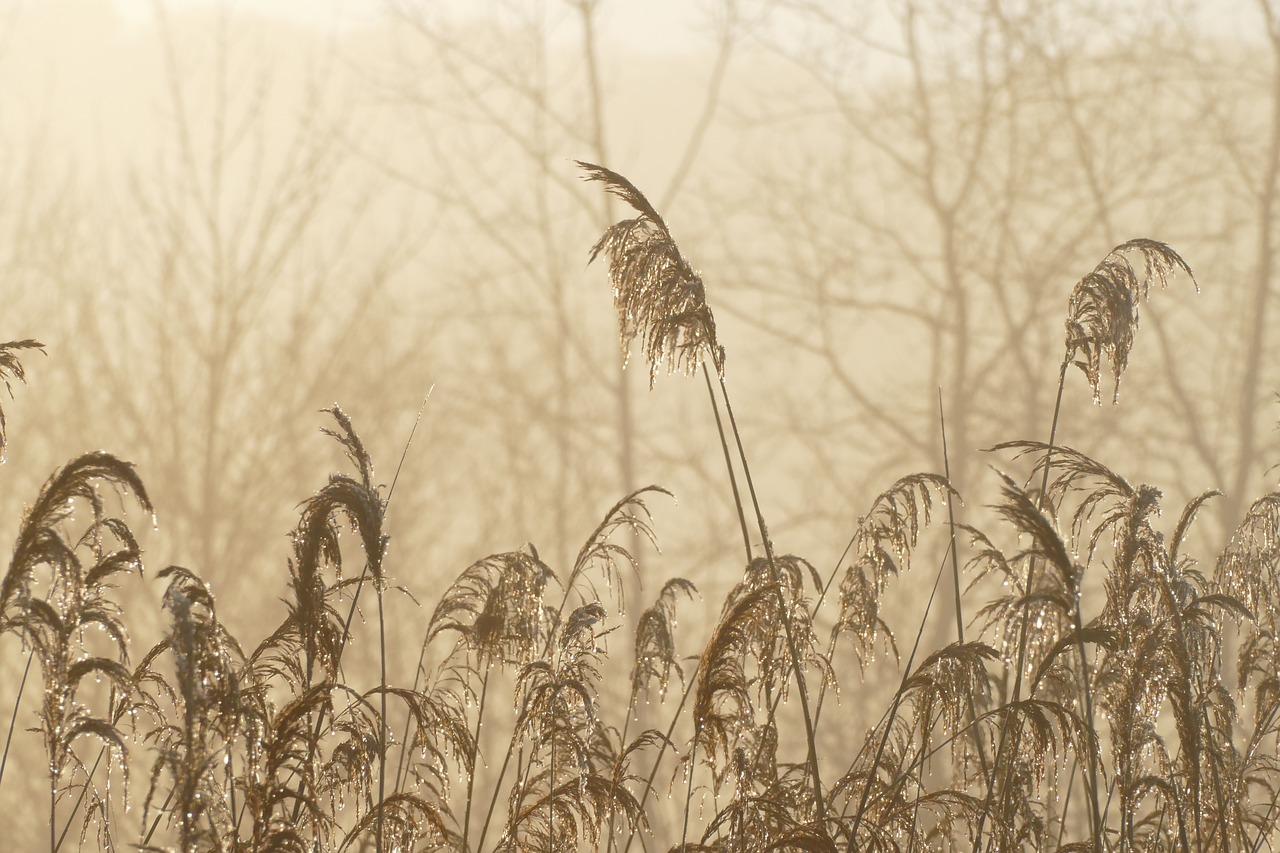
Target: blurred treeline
(220,222)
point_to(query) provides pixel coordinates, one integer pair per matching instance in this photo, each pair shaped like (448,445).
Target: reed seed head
(660,298)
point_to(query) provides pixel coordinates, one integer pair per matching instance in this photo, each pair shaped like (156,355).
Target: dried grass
(1050,731)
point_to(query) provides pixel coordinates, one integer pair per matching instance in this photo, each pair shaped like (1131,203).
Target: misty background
(222,217)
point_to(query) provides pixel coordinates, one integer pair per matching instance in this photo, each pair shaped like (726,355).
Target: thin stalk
(1217,792)
(822,688)
(617,767)
(1066,799)
(1263,832)
(551,787)
(475,755)
(1003,741)
(346,627)
(53,811)
(1111,792)
(952,551)
(342,645)
(402,763)
(813,613)
(13,719)
(653,771)
(688,793)
(511,745)
(497,790)
(728,464)
(62,836)
(831,650)
(231,784)
(1264,828)
(160,813)
(1095,817)
(919,782)
(893,708)
(382,723)
(788,630)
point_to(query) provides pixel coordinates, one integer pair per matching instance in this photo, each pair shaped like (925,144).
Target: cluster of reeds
(1144,714)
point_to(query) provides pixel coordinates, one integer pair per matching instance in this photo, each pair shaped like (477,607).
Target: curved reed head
(659,296)
(1102,315)
(10,369)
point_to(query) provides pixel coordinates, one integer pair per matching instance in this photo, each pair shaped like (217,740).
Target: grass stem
(784,614)
(13,718)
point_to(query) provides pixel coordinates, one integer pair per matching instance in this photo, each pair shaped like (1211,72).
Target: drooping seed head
(1102,315)
(659,297)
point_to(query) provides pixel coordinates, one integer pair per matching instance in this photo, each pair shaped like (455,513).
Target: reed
(1061,718)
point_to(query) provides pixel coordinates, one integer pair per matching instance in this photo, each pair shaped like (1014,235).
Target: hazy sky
(662,25)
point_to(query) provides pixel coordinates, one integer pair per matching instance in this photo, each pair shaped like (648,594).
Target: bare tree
(240,290)
(953,172)
(502,104)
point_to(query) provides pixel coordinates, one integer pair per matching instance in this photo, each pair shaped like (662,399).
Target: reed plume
(1102,314)
(11,370)
(56,588)
(659,297)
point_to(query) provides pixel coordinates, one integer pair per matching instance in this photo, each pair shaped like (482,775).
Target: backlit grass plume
(1103,310)
(655,655)
(10,369)
(1102,320)
(55,593)
(659,296)
(198,716)
(882,544)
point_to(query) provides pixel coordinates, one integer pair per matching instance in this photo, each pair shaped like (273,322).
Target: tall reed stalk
(1102,320)
(662,300)
(278,751)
